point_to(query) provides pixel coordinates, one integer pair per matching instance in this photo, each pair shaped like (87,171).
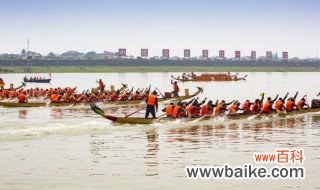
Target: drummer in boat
(152,105)
(176,89)
(101,85)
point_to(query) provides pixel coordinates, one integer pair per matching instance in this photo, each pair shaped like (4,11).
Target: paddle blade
(96,109)
(200,89)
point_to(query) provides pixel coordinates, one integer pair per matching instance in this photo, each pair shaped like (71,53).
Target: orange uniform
(246,106)
(279,105)
(152,100)
(267,107)
(290,105)
(22,98)
(204,110)
(169,110)
(176,113)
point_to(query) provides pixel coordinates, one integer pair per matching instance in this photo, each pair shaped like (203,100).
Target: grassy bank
(108,69)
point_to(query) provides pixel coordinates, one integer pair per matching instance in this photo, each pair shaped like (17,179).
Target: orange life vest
(114,97)
(234,108)
(267,107)
(204,110)
(289,105)
(54,97)
(151,100)
(246,106)
(101,85)
(175,113)
(217,111)
(300,104)
(255,107)
(279,105)
(175,87)
(22,98)
(169,110)
(189,109)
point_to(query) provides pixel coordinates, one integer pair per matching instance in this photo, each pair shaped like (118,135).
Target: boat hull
(38,81)
(137,120)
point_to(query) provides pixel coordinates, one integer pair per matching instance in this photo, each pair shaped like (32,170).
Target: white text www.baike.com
(247,171)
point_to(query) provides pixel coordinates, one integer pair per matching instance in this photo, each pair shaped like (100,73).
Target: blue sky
(84,25)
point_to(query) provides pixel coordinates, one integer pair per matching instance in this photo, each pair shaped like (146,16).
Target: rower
(302,104)
(208,108)
(291,103)
(193,110)
(136,95)
(267,107)
(22,97)
(176,89)
(54,98)
(222,107)
(177,110)
(246,107)
(115,96)
(169,109)
(280,103)
(152,105)
(234,108)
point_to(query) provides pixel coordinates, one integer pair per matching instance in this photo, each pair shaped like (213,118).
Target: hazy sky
(84,25)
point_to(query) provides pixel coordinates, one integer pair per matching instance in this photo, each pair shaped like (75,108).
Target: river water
(72,148)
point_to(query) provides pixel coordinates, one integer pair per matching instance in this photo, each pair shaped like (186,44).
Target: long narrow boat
(115,103)
(24,105)
(37,80)
(139,120)
(207,79)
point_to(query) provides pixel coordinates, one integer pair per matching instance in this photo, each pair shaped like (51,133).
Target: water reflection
(23,114)
(151,158)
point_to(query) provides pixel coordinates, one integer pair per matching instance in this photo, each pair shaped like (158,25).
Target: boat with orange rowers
(315,107)
(208,77)
(114,103)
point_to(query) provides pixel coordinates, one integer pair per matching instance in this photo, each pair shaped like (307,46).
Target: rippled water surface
(72,148)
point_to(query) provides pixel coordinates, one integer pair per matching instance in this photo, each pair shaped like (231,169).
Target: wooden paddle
(135,112)
(160,93)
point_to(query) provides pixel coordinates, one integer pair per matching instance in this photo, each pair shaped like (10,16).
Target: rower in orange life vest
(208,108)
(22,97)
(101,85)
(268,106)
(279,105)
(193,110)
(222,107)
(180,109)
(169,109)
(290,105)
(135,95)
(152,105)
(176,89)
(234,108)
(257,105)
(115,95)
(246,107)
(302,104)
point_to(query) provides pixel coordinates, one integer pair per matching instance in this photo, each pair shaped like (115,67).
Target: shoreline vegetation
(122,69)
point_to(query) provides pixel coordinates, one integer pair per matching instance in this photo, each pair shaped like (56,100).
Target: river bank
(122,69)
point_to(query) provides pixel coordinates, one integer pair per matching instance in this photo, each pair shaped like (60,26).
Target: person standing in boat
(1,83)
(176,89)
(152,105)
(101,85)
